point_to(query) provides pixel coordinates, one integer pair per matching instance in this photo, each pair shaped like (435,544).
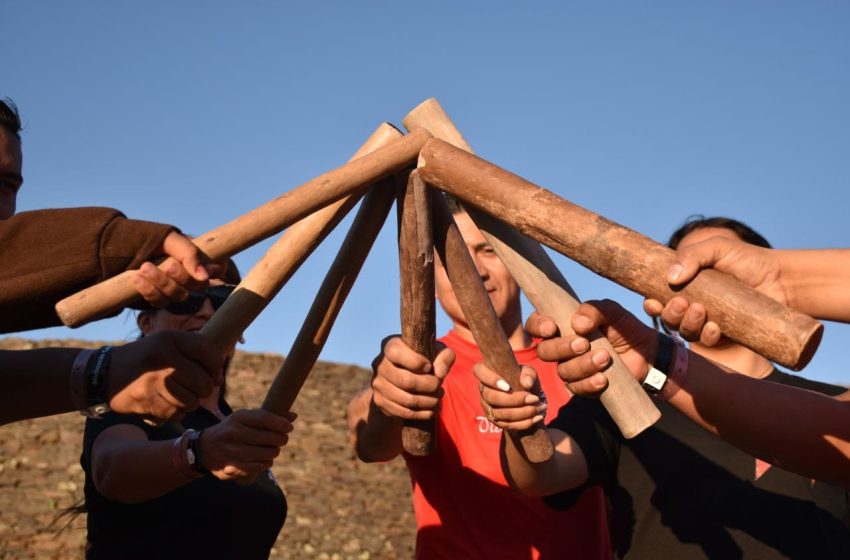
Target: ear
(144,321)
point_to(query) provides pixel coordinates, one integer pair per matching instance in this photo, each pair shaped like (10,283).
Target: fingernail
(426,368)
(532,399)
(542,408)
(578,345)
(503,385)
(201,271)
(674,272)
(537,419)
(600,358)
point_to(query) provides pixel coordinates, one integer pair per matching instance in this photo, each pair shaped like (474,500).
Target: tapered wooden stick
(544,285)
(110,296)
(332,293)
(632,260)
(418,308)
(284,257)
(481,317)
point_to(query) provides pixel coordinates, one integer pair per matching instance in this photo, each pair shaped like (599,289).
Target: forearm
(35,383)
(818,282)
(567,469)
(136,471)
(373,435)
(795,429)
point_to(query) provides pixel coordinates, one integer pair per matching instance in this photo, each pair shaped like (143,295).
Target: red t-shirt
(464,507)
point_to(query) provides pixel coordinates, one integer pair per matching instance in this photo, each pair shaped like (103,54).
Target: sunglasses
(192,304)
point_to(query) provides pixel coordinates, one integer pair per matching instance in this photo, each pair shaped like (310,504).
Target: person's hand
(405,384)
(244,444)
(755,266)
(162,375)
(511,410)
(582,368)
(188,269)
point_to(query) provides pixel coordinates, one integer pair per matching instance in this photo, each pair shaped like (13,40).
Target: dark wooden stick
(332,293)
(632,260)
(482,319)
(418,308)
(544,285)
(110,296)
(284,257)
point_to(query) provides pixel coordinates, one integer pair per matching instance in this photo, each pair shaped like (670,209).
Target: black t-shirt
(206,518)
(677,491)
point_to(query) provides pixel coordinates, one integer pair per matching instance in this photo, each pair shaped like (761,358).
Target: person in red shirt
(464,506)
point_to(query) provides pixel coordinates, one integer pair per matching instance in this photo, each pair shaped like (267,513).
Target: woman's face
(151,322)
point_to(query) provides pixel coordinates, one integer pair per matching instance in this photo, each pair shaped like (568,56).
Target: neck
(737,358)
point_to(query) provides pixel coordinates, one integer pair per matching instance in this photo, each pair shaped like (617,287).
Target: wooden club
(482,319)
(332,293)
(632,260)
(418,307)
(110,296)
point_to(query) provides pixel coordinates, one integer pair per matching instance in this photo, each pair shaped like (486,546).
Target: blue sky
(192,113)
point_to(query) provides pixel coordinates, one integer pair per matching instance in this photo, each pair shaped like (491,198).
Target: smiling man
(464,507)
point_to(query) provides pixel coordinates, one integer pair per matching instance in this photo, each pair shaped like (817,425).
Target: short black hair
(698,221)
(454,204)
(10,119)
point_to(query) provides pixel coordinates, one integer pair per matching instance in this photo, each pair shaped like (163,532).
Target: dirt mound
(339,508)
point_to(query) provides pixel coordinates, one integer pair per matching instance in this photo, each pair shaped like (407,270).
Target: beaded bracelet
(95,383)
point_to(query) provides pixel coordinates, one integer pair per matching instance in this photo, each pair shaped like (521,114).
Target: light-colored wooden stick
(634,261)
(544,285)
(110,296)
(332,293)
(284,257)
(482,319)
(418,307)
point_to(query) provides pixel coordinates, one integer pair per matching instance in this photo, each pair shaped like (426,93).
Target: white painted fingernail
(503,385)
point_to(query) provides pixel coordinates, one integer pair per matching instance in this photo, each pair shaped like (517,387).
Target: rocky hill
(339,508)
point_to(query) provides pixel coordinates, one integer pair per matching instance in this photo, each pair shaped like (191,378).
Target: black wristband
(194,455)
(664,353)
(96,369)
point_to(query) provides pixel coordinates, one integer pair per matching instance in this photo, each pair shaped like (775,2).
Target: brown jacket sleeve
(46,255)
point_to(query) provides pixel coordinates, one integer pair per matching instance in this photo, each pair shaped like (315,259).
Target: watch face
(191,456)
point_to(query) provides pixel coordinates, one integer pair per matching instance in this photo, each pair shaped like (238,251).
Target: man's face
(11,163)
(500,285)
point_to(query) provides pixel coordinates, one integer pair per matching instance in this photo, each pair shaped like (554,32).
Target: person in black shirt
(679,491)
(200,488)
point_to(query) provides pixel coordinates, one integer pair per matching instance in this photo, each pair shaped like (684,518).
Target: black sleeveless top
(206,518)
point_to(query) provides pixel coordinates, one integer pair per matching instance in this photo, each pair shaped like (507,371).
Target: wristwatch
(192,454)
(657,376)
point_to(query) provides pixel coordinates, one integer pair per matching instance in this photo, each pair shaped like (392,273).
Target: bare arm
(799,430)
(156,376)
(129,468)
(405,386)
(816,282)
(517,411)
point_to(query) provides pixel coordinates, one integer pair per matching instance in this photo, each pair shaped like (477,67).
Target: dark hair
(454,204)
(698,221)
(10,119)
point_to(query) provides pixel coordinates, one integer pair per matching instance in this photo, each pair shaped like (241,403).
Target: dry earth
(339,508)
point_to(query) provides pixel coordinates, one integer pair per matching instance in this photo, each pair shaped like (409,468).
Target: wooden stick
(544,285)
(632,260)
(110,296)
(482,319)
(418,308)
(284,257)
(332,293)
